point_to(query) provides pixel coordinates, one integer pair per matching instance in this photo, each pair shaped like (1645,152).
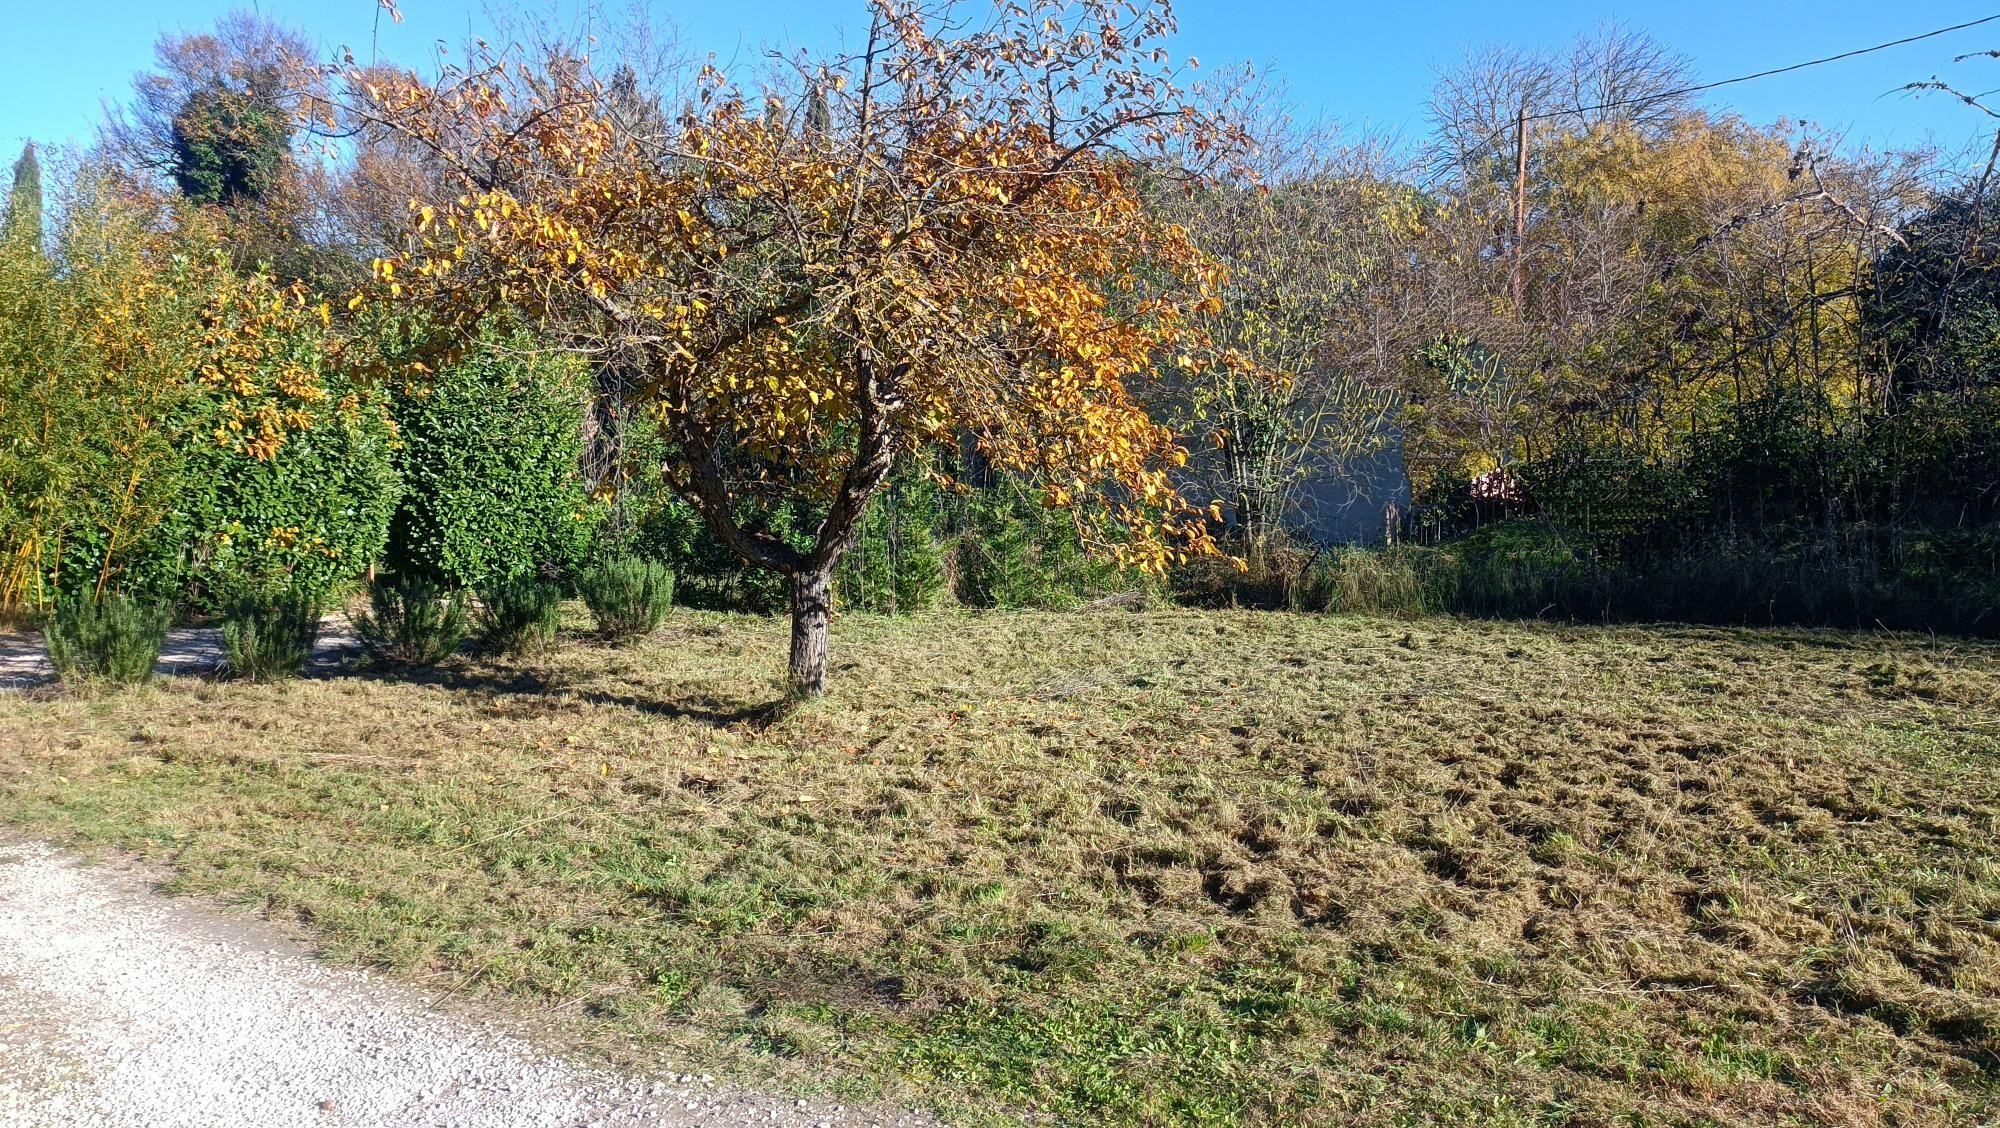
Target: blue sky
(1355,62)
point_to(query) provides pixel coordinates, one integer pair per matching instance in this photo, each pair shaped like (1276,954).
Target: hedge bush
(489,459)
(308,515)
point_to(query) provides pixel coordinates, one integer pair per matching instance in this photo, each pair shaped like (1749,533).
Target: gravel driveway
(189,651)
(121,1007)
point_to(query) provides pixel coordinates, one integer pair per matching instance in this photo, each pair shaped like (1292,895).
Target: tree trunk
(812,603)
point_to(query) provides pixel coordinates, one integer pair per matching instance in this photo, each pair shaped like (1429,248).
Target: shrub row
(411,621)
(1532,568)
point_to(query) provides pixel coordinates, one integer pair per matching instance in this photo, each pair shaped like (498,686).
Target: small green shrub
(412,622)
(115,640)
(627,595)
(269,636)
(519,615)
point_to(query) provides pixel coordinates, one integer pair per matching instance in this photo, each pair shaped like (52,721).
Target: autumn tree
(240,120)
(939,236)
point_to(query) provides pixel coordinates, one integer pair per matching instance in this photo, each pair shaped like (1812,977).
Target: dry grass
(1142,867)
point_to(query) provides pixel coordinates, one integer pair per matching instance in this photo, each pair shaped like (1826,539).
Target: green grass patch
(1138,867)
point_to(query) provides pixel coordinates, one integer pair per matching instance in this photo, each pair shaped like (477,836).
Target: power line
(1495,134)
(1766,73)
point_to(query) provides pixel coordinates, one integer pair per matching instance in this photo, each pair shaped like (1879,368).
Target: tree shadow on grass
(555,694)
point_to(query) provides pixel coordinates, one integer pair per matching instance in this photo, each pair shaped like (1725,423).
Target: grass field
(1140,867)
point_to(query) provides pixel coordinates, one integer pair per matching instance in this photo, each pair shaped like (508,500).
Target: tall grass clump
(1528,569)
(266,637)
(111,641)
(627,596)
(1403,580)
(413,622)
(519,615)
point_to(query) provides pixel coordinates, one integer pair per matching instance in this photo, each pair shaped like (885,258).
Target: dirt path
(24,658)
(121,1007)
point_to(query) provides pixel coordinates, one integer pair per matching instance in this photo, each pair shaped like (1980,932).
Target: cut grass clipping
(1141,868)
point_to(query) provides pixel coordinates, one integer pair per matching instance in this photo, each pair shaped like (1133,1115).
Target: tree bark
(812,604)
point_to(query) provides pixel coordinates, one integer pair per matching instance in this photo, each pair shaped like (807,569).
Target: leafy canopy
(940,236)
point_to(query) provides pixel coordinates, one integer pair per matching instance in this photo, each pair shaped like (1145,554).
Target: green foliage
(1933,315)
(1607,493)
(412,622)
(628,596)
(171,428)
(490,455)
(1524,568)
(270,635)
(22,220)
(1530,568)
(311,516)
(897,564)
(229,146)
(918,546)
(1403,580)
(519,615)
(95,337)
(1012,551)
(710,574)
(115,640)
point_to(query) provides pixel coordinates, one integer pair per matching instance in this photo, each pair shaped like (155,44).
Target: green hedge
(489,455)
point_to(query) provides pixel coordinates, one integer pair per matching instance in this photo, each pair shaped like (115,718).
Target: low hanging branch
(941,236)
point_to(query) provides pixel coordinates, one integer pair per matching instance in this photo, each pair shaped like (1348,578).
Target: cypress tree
(24,200)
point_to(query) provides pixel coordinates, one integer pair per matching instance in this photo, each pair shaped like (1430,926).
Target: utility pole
(1520,202)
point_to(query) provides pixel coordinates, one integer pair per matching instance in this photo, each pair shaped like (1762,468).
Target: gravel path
(189,651)
(121,1007)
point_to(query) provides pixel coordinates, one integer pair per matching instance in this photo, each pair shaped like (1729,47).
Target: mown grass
(1141,867)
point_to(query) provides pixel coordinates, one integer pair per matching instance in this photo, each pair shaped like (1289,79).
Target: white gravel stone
(120,1008)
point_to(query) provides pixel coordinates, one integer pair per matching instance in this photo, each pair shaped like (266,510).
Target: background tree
(230,147)
(242,120)
(22,222)
(957,252)
(1316,249)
